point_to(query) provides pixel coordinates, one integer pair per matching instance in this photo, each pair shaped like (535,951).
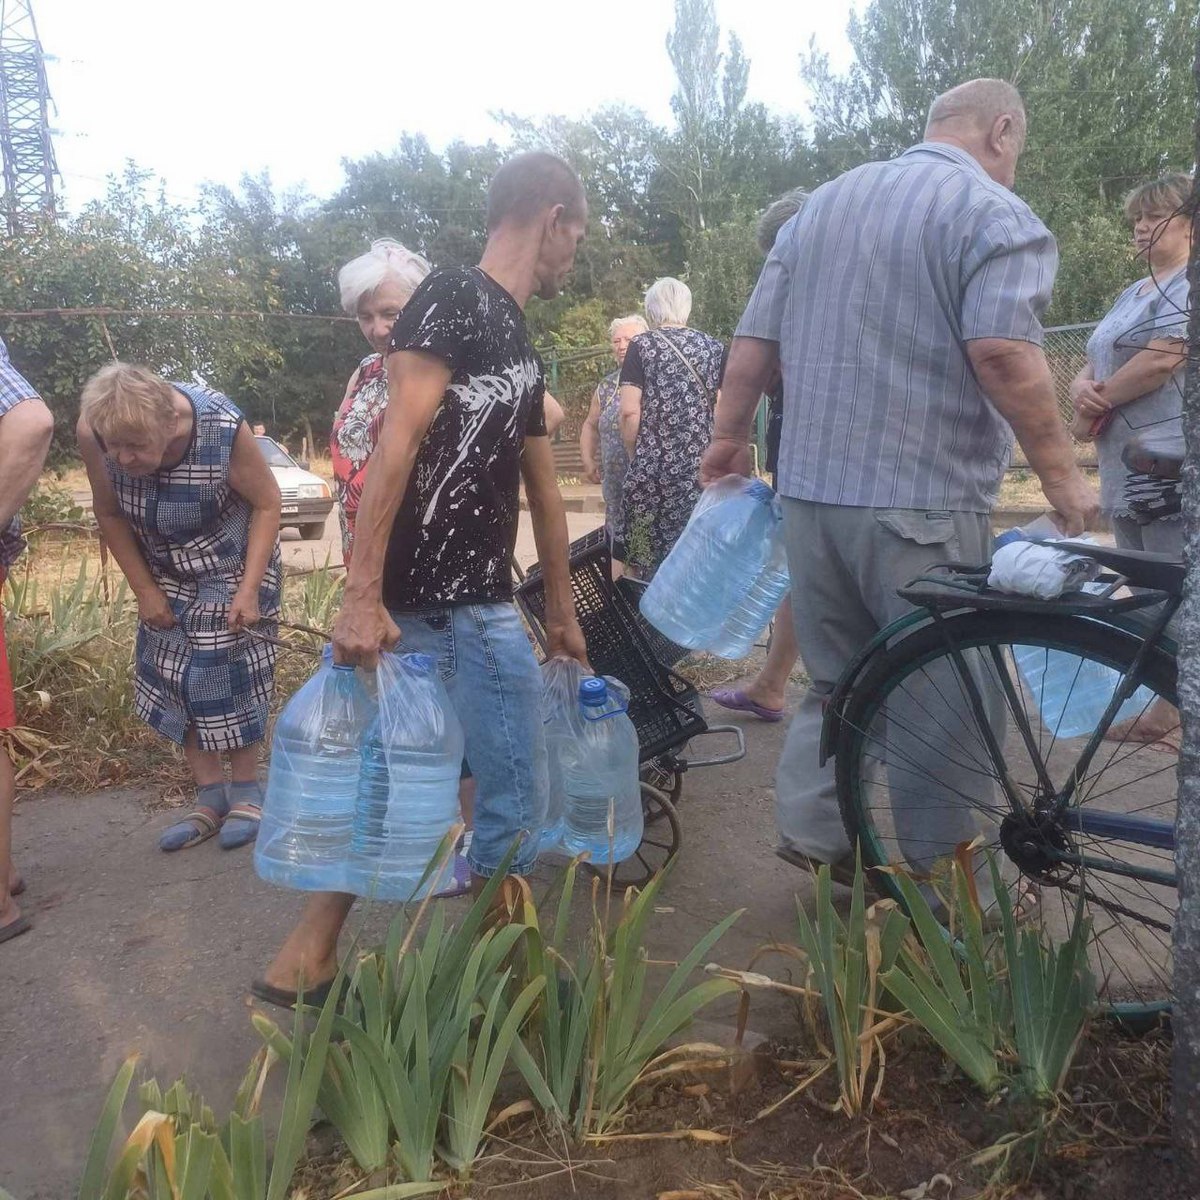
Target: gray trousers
(845,565)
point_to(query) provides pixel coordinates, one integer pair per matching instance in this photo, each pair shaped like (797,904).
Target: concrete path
(135,950)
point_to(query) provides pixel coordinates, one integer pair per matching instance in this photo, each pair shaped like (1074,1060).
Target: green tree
(1106,87)
(131,250)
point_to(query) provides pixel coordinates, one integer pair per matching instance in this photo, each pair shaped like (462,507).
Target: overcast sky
(207,91)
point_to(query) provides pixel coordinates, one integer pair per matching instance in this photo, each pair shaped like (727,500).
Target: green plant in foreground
(1052,992)
(979,998)
(598,1002)
(950,989)
(180,1154)
(420,1016)
(562,1024)
(846,961)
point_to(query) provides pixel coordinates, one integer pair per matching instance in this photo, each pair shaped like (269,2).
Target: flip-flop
(288,998)
(737,701)
(459,883)
(15,928)
(241,825)
(198,826)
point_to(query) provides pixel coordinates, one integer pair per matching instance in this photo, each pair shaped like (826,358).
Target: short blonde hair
(386,259)
(668,300)
(1167,194)
(122,402)
(635,319)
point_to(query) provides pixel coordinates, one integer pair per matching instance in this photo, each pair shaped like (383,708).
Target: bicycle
(953,725)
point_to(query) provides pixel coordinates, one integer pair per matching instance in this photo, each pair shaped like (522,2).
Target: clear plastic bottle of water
(1071,692)
(312,787)
(600,775)
(408,793)
(561,677)
(720,585)
(754,612)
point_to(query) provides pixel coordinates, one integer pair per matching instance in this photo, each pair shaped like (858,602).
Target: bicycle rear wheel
(982,725)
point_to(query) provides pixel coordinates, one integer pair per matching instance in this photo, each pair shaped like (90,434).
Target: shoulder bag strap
(695,374)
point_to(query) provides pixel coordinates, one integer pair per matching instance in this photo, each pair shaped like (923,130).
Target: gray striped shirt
(872,291)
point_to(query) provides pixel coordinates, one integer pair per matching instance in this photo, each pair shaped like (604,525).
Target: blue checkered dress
(194,531)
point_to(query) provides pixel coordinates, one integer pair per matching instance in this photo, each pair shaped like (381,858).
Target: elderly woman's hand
(1087,395)
(243,609)
(154,609)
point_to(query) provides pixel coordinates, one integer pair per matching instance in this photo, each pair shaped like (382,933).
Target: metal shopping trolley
(663,706)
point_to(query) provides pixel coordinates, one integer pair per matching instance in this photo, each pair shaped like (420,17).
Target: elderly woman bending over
(190,511)
(669,383)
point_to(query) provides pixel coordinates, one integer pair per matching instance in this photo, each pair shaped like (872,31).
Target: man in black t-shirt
(437,524)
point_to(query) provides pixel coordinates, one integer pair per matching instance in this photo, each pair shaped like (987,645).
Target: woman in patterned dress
(604,459)
(669,384)
(190,510)
(375,287)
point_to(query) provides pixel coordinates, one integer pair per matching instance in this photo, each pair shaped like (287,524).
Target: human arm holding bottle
(416,384)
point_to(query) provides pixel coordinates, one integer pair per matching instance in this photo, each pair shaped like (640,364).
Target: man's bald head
(985,117)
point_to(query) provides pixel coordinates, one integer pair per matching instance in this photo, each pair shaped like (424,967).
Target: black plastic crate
(664,709)
(667,652)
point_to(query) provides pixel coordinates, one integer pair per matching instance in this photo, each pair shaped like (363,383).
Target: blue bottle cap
(759,490)
(419,662)
(343,666)
(593,692)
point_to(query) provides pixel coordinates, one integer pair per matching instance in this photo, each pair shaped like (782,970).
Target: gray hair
(978,102)
(620,323)
(668,301)
(386,259)
(776,216)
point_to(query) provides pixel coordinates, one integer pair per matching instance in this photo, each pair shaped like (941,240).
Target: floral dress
(679,371)
(614,462)
(353,440)
(194,530)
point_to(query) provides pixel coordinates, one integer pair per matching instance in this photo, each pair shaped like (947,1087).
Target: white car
(307,500)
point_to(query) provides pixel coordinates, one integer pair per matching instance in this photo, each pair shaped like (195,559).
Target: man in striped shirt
(903,306)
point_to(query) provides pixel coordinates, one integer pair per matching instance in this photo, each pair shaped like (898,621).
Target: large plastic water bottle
(600,775)
(561,678)
(312,788)
(724,578)
(408,793)
(1071,692)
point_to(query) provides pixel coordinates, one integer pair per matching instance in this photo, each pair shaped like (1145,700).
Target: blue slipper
(201,823)
(241,825)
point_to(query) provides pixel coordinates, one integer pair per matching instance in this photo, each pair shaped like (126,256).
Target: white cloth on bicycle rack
(1037,569)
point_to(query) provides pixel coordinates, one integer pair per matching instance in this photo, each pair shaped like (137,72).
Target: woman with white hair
(669,384)
(375,286)
(604,459)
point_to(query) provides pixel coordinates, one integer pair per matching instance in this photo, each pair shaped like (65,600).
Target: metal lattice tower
(26,150)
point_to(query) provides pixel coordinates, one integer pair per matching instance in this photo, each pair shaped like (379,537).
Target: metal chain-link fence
(1066,352)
